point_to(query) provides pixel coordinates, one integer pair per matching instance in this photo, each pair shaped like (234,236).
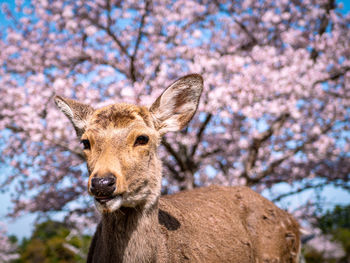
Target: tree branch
(253,40)
(173,153)
(200,133)
(138,41)
(207,154)
(254,148)
(58,144)
(268,171)
(324,21)
(333,76)
(281,196)
(108,30)
(173,171)
(307,187)
(66,148)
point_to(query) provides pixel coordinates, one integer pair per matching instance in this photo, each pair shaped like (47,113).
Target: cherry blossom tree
(7,249)
(275,106)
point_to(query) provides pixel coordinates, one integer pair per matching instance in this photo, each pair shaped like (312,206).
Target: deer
(206,224)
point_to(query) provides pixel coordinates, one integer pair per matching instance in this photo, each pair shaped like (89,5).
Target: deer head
(120,143)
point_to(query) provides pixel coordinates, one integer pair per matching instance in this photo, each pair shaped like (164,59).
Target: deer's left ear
(78,113)
(178,103)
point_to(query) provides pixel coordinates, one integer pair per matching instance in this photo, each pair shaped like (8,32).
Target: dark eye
(86,144)
(141,140)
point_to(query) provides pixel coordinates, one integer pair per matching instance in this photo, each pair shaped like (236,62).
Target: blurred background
(274,114)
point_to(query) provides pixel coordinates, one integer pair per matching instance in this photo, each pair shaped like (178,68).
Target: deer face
(120,143)
(120,147)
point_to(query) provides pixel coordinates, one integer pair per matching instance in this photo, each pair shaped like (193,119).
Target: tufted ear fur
(178,103)
(78,113)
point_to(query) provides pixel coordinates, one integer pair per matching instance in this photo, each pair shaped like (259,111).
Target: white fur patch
(167,114)
(64,107)
(110,206)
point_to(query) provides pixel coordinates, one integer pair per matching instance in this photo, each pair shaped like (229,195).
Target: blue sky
(22,227)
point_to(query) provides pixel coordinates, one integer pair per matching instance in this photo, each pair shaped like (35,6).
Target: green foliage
(13,239)
(51,242)
(339,217)
(336,223)
(311,255)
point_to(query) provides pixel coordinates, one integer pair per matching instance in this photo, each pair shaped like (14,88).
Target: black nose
(103,186)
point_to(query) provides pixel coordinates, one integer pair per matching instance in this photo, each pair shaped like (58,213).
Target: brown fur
(213,224)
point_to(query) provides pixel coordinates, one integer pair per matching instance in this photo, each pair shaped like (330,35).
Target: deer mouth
(104,199)
(108,204)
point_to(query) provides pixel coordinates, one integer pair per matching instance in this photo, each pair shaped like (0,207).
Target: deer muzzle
(103,187)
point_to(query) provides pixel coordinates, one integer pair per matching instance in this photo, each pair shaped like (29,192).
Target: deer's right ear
(78,113)
(177,104)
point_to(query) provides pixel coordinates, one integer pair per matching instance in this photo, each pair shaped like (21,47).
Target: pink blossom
(275,90)
(7,249)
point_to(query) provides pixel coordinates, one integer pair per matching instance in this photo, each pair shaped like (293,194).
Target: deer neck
(131,234)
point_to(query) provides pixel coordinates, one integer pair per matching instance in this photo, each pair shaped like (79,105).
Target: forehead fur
(120,115)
